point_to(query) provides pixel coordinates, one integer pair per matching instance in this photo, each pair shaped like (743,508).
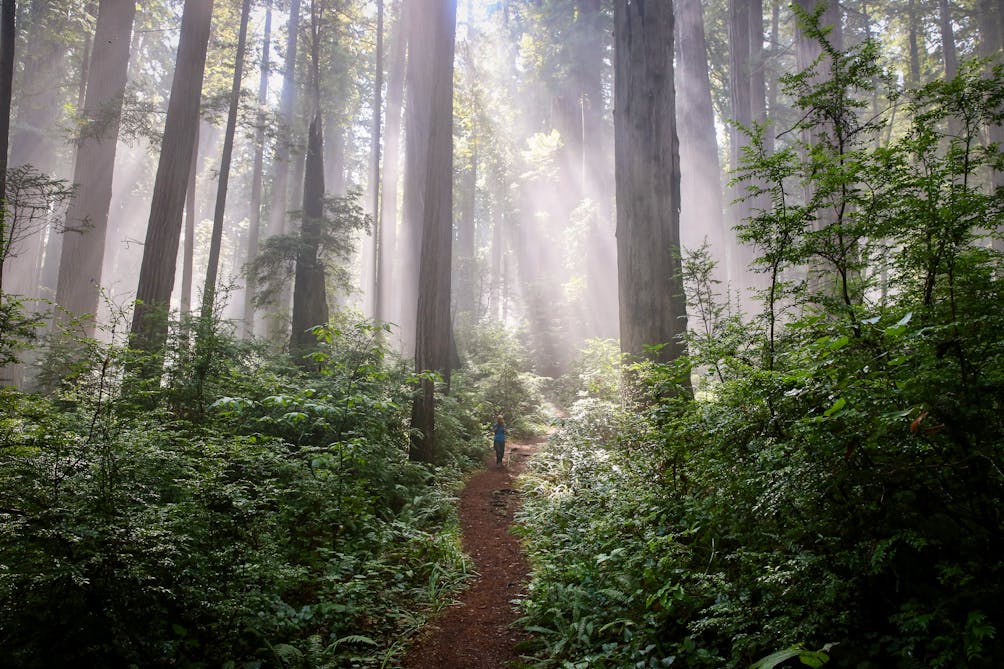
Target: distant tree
(431,111)
(281,163)
(701,182)
(79,282)
(653,309)
(254,225)
(216,239)
(387,217)
(8,33)
(310,302)
(160,251)
(376,286)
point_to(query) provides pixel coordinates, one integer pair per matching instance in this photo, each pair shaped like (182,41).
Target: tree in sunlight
(431,181)
(653,309)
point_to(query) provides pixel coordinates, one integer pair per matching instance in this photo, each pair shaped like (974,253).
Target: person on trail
(498,429)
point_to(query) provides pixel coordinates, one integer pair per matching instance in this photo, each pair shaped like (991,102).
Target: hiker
(498,429)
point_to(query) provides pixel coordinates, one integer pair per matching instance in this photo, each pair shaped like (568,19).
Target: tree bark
(160,251)
(948,40)
(216,240)
(432,112)
(79,282)
(653,308)
(310,302)
(8,33)
(254,225)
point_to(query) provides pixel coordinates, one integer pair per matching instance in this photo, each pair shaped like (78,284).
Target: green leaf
(837,406)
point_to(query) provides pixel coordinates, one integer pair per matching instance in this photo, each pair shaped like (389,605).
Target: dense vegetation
(832,491)
(241,513)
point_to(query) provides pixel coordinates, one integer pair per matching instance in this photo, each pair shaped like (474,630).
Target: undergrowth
(241,513)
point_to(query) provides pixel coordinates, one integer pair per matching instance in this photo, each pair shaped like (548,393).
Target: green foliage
(495,378)
(837,486)
(266,517)
(275,263)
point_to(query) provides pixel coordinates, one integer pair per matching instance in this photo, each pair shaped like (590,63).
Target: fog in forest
(534,212)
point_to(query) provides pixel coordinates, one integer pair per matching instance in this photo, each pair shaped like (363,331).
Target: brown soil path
(477,633)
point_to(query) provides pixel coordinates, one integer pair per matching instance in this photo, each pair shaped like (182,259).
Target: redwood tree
(653,310)
(432,49)
(87,218)
(160,252)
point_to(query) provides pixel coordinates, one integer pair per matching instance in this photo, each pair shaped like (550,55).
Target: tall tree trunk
(34,136)
(653,309)
(188,251)
(948,39)
(432,110)
(8,33)
(216,240)
(387,219)
(912,47)
(310,302)
(375,286)
(79,282)
(283,156)
(254,225)
(420,25)
(701,215)
(160,252)
(990,17)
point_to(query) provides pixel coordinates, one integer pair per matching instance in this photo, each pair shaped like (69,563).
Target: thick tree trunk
(254,224)
(653,308)
(310,300)
(160,252)
(216,240)
(79,282)
(432,110)
(310,303)
(948,39)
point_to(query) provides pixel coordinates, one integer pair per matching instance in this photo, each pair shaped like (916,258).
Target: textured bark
(216,240)
(652,304)
(160,252)
(79,282)
(420,24)
(433,106)
(310,301)
(912,36)
(254,225)
(310,304)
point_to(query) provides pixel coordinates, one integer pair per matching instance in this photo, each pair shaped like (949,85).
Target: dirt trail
(477,632)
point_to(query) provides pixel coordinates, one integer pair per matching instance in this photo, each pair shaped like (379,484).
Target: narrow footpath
(477,633)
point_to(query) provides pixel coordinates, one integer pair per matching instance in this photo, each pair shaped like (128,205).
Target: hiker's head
(500,420)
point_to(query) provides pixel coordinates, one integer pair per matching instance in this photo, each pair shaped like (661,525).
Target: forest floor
(478,632)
